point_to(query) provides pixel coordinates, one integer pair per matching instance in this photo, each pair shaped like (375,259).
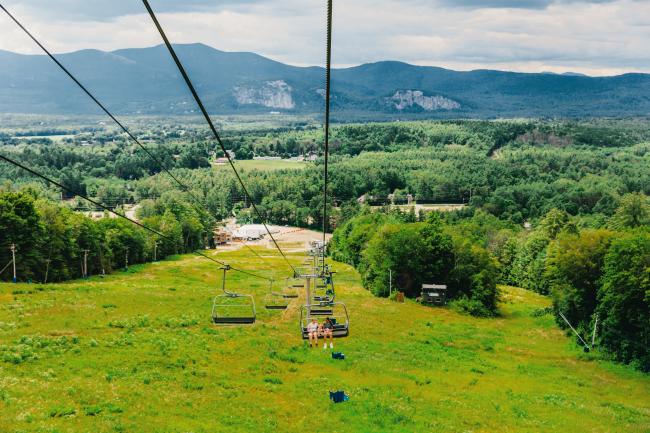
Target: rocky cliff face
(272,94)
(405,99)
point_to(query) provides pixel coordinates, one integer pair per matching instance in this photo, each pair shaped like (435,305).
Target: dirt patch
(290,239)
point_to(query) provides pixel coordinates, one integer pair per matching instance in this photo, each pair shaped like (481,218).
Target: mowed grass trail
(136,352)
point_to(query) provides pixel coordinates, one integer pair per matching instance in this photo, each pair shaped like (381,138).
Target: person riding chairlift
(312,332)
(328,332)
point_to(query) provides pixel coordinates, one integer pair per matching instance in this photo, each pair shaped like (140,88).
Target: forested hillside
(143,81)
(556,207)
(514,170)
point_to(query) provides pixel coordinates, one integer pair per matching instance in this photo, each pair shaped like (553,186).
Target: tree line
(406,250)
(52,241)
(594,276)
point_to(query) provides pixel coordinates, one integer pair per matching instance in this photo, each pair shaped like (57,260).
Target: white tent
(252,232)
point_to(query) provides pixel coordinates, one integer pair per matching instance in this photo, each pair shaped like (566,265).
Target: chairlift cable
(328,82)
(100,105)
(5,268)
(216,135)
(157,160)
(119,215)
(256,253)
(573,329)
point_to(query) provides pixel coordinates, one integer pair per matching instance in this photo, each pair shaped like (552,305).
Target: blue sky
(598,37)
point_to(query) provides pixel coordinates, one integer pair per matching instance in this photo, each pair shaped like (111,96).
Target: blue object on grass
(338,355)
(338,396)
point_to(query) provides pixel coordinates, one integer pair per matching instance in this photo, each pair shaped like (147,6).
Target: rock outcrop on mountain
(406,99)
(272,94)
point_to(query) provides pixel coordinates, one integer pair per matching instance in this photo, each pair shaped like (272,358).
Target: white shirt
(312,327)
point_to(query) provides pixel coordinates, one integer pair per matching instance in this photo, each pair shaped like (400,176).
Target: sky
(594,37)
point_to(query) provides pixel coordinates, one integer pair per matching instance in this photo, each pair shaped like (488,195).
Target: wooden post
(12,247)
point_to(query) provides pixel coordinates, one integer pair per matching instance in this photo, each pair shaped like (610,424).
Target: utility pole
(12,247)
(47,269)
(85,269)
(126,259)
(593,336)
(390,282)
(155,248)
(101,260)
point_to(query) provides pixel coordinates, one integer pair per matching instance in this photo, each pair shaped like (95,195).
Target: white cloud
(596,37)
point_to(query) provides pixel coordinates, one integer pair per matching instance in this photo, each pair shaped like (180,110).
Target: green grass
(135,352)
(266,165)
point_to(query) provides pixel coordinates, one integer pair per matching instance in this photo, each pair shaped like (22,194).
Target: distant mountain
(145,81)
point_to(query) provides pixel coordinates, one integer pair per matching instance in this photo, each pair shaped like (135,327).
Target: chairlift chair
(329,294)
(278,306)
(275,300)
(339,317)
(243,305)
(321,310)
(290,292)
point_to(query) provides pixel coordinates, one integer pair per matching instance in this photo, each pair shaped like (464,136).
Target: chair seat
(321,311)
(340,331)
(234,320)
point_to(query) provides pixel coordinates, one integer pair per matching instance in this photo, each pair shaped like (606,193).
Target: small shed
(433,294)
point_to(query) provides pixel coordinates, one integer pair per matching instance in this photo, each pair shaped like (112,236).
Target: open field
(426,207)
(264,165)
(55,138)
(17,122)
(135,352)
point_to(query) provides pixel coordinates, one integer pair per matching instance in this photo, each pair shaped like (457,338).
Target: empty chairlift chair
(275,300)
(233,308)
(291,290)
(325,293)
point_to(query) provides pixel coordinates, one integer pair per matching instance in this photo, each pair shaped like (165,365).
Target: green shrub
(61,411)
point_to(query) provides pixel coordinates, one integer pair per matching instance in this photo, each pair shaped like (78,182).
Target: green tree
(473,279)
(634,211)
(20,225)
(556,221)
(415,253)
(573,270)
(624,298)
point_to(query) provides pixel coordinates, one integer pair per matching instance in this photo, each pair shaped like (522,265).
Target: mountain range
(145,81)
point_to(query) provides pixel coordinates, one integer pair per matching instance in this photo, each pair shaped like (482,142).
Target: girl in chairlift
(328,332)
(312,332)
